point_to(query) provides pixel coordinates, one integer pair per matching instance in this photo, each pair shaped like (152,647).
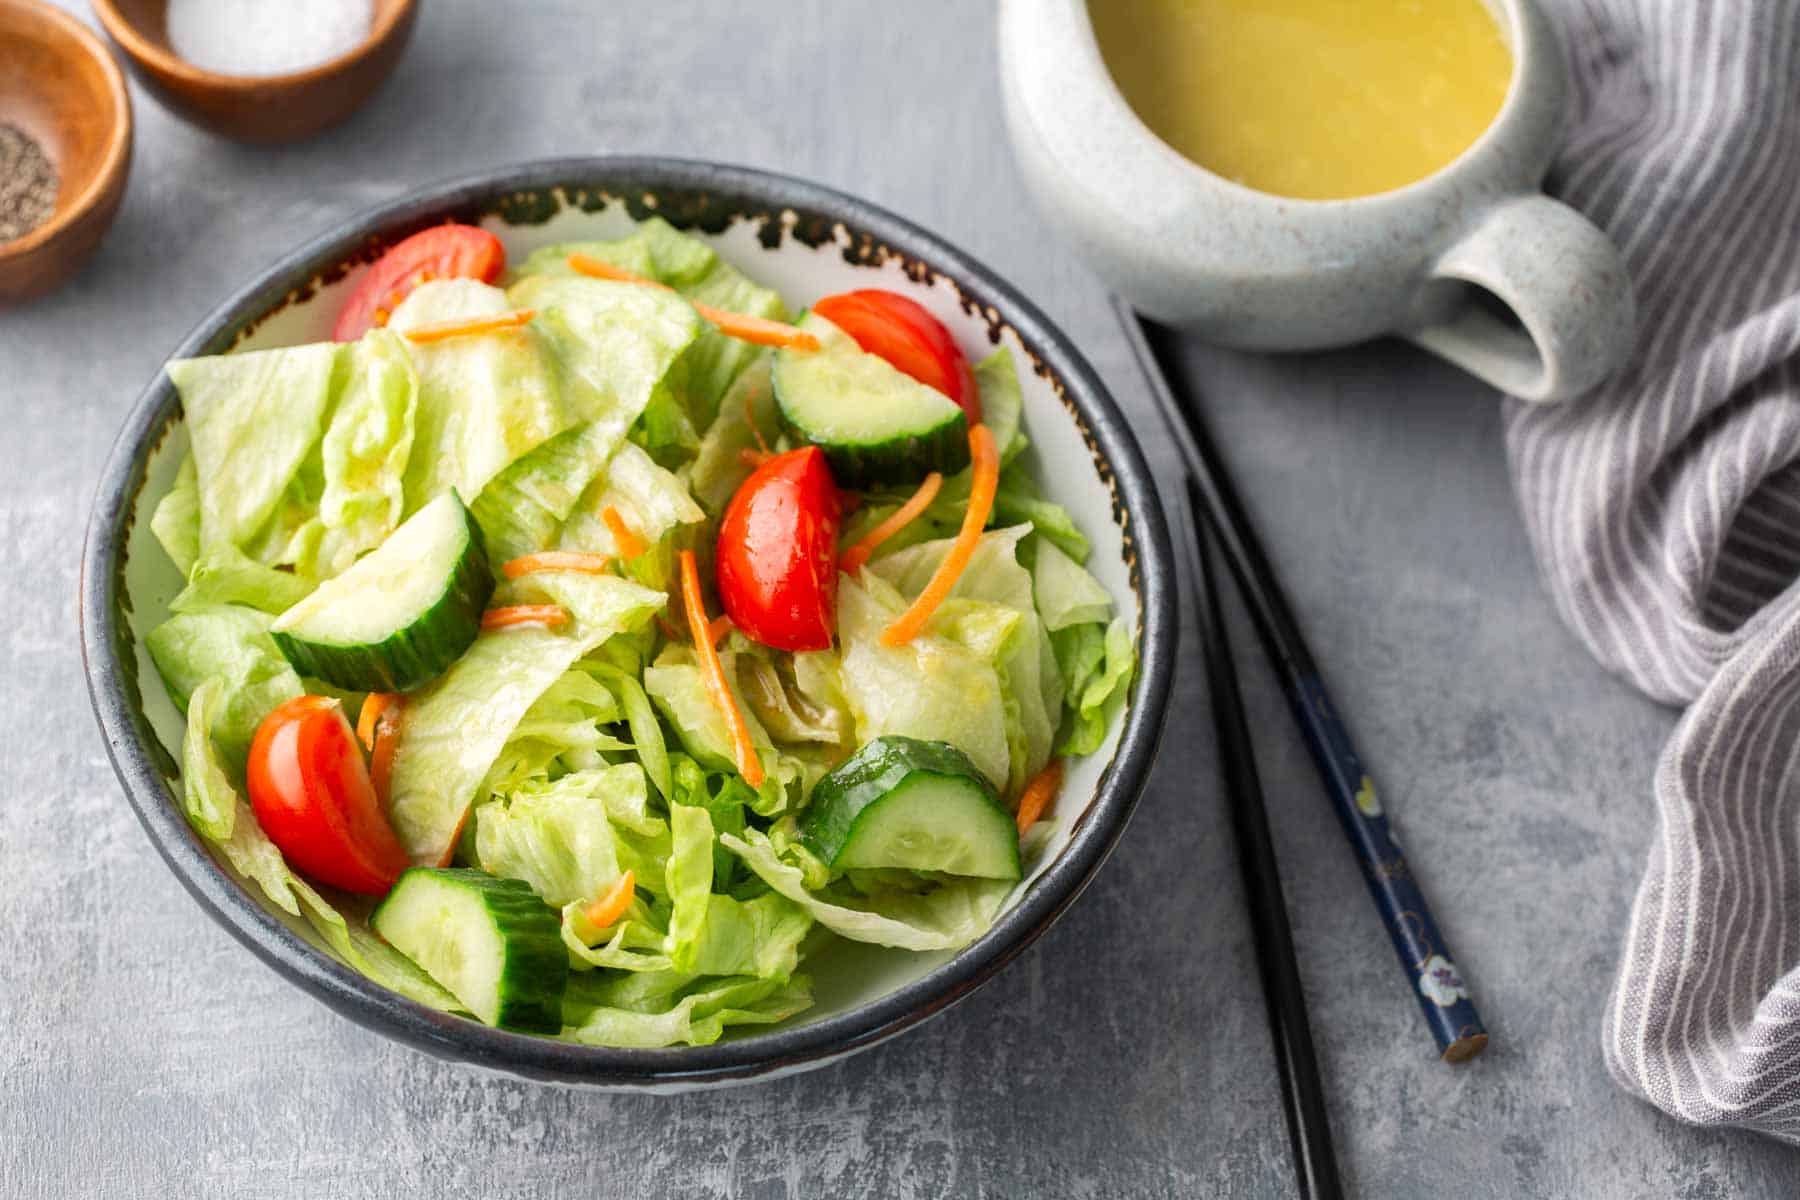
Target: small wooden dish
(264,109)
(61,87)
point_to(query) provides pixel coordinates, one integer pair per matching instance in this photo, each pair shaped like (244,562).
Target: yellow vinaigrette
(1313,99)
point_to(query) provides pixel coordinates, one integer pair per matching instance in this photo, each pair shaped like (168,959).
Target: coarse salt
(266,37)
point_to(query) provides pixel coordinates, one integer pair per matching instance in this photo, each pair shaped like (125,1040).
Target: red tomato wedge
(442,252)
(777,552)
(312,795)
(913,341)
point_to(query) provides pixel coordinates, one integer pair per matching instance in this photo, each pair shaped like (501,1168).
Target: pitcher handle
(1571,307)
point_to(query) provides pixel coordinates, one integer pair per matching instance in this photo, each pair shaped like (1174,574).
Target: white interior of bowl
(846,974)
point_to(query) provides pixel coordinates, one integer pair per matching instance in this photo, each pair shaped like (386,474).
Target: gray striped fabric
(1665,512)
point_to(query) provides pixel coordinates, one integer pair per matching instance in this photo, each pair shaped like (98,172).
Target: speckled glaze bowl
(808,241)
(1474,262)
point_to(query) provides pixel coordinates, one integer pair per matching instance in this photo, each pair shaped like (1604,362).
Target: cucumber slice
(875,424)
(904,802)
(401,614)
(490,942)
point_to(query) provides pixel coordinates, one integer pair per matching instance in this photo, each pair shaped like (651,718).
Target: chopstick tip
(1465,1048)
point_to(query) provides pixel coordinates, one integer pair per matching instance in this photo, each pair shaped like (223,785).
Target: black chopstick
(1436,984)
(1302,1093)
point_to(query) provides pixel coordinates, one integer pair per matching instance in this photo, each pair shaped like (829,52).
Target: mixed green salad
(583,654)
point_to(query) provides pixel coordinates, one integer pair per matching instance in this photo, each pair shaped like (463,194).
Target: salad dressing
(1311,99)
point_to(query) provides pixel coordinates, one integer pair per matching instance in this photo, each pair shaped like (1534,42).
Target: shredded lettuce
(231,644)
(651,501)
(656,250)
(710,934)
(669,1008)
(456,727)
(223,574)
(995,588)
(176,521)
(363,457)
(1101,691)
(797,698)
(252,419)
(482,401)
(719,468)
(556,836)
(1002,404)
(948,916)
(614,346)
(930,688)
(565,757)
(1065,592)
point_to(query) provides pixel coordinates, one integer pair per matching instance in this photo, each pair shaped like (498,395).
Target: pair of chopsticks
(1216,512)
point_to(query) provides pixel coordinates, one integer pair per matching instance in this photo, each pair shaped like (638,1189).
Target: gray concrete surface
(143,1053)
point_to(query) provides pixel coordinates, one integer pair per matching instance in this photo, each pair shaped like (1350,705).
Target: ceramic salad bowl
(808,241)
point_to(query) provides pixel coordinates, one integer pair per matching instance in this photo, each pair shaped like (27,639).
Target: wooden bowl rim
(167,62)
(112,161)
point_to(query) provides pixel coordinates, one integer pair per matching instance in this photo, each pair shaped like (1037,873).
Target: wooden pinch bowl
(265,109)
(59,84)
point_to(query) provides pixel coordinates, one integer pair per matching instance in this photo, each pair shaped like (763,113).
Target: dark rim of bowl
(719,193)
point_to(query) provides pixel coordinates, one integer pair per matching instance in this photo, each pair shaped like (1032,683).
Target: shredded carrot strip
(748,764)
(758,331)
(606,910)
(442,330)
(753,458)
(524,614)
(985,483)
(669,631)
(742,326)
(381,749)
(721,625)
(853,559)
(587,264)
(556,560)
(625,539)
(1039,793)
(374,705)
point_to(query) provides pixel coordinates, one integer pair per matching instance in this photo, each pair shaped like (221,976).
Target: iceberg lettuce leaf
(930,688)
(457,726)
(176,521)
(253,419)
(652,502)
(1026,663)
(948,916)
(748,407)
(232,644)
(482,401)
(657,250)
(556,835)
(223,574)
(363,457)
(711,934)
(650,1009)
(1066,593)
(1103,691)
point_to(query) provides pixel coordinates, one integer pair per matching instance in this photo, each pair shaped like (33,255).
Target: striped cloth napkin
(1665,513)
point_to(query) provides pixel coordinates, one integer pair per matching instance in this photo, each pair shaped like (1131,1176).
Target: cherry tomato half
(913,341)
(442,252)
(777,553)
(311,793)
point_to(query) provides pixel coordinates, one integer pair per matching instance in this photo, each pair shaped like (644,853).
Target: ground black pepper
(27,183)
